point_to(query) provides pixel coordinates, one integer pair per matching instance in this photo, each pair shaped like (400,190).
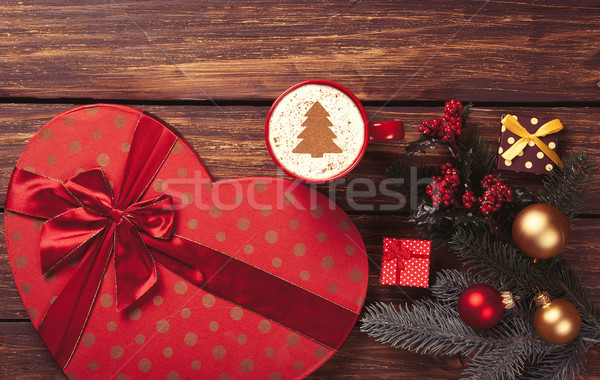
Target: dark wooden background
(211,69)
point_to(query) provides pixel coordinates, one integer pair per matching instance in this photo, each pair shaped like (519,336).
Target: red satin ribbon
(86,221)
(400,256)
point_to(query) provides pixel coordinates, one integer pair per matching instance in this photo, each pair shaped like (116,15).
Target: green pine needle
(566,188)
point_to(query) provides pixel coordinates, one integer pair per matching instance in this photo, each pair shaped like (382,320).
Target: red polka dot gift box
(133,263)
(528,144)
(405,262)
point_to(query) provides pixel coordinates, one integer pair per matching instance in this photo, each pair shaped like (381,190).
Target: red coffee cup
(317,131)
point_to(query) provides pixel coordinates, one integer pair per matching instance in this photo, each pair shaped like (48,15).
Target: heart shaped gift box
(133,263)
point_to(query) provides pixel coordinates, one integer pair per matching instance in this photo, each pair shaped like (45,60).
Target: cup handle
(386,131)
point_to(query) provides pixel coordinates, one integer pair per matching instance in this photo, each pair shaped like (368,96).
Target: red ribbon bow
(110,228)
(85,221)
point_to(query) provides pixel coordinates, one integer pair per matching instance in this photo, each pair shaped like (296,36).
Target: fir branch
(495,261)
(450,283)
(565,283)
(566,188)
(431,327)
(559,362)
(504,363)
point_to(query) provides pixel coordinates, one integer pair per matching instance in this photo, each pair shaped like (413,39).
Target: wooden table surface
(211,69)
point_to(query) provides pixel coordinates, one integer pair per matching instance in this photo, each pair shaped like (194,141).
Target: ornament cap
(508,300)
(542,299)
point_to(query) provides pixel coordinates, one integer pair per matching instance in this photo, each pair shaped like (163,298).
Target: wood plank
(230,140)
(24,355)
(495,51)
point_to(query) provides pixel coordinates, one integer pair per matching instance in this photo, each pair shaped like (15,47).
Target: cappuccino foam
(345,121)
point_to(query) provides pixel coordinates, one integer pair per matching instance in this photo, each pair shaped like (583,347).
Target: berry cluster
(443,188)
(448,126)
(495,194)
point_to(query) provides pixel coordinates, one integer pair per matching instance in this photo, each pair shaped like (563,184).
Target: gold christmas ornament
(556,321)
(541,231)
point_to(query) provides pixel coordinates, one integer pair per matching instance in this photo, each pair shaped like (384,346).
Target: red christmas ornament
(480,306)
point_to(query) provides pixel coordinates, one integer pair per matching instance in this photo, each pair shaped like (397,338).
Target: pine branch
(431,327)
(504,363)
(566,188)
(564,282)
(495,261)
(450,283)
(559,362)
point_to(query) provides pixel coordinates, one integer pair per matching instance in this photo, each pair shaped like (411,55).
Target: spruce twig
(566,188)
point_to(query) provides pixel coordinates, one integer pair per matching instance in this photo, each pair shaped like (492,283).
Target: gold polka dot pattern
(74,147)
(299,249)
(186,313)
(135,314)
(120,121)
(191,339)
(116,352)
(305,275)
(293,339)
(144,365)
(247,365)
(163,326)
(243,224)
(196,365)
(52,160)
(236,313)
(106,300)
(208,300)
(320,353)
(181,287)
(111,326)
(271,237)
(88,339)
(264,326)
(219,352)
(317,212)
(46,134)
(103,159)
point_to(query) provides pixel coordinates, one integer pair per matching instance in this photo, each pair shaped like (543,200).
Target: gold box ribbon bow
(515,127)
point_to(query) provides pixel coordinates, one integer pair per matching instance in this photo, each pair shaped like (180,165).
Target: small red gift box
(529,145)
(405,262)
(133,263)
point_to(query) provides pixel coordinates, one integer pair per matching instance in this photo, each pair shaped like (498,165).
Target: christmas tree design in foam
(317,137)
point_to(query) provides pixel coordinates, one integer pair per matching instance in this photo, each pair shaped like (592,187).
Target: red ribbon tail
(65,321)
(134,267)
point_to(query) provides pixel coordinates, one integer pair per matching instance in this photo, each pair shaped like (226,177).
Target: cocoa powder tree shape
(317,136)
